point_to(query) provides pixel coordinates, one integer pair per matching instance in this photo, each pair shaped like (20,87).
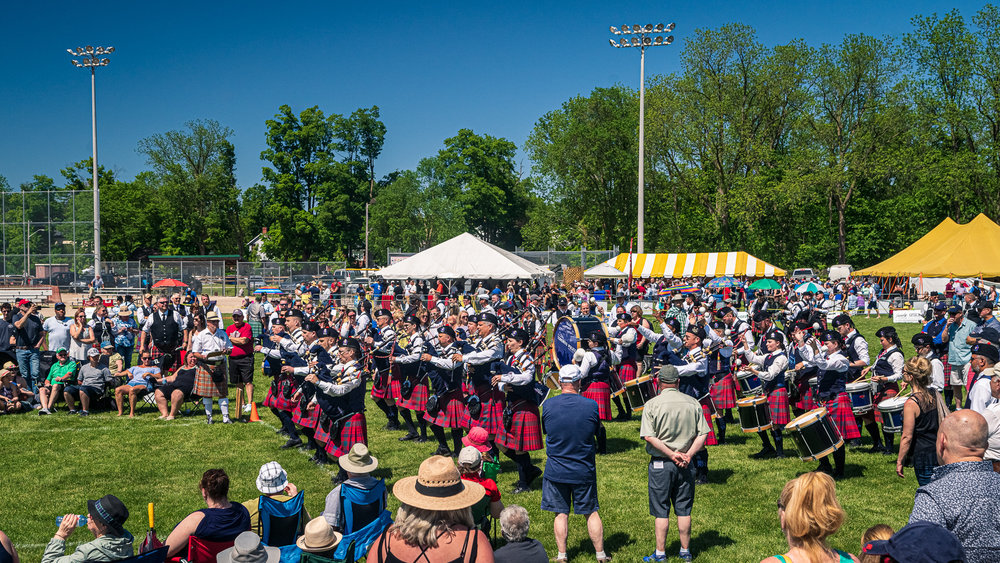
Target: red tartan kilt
(354,431)
(525,434)
(600,393)
(278,401)
(710,441)
(806,401)
(155,353)
(842,412)
(947,371)
(451,411)
(305,416)
(417,401)
(724,392)
(395,379)
(627,371)
(322,434)
(204,386)
(777,400)
(385,392)
(491,417)
(889,392)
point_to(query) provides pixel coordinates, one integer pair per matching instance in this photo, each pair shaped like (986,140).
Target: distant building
(255,248)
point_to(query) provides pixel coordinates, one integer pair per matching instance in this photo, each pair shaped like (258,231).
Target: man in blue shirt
(570,422)
(956,335)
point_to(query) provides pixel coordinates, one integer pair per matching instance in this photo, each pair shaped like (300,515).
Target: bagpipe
(535,391)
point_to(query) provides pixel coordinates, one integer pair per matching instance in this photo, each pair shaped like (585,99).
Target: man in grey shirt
(89,384)
(57,328)
(964,494)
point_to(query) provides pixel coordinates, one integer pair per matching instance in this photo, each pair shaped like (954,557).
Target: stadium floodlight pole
(91,57)
(642,38)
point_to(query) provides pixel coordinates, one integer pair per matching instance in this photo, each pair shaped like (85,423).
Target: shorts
(240,370)
(957,375)
(556,497)
(93,392)
(168,389)
(669,484)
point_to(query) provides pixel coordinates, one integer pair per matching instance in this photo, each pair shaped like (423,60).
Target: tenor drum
(861,396)
(815,434)
(891,411)
(707,401)
(749,383)
(568,336)
(552,380)
(638,392)
(755,414)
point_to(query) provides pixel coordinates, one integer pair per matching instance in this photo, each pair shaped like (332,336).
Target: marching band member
(888,370)
(410,392)
(488,348)
(279,393)
(803,373)
(772,377)
(314,364)
(856,350)
(596,373)
(642,345)
(628,338)
(382,339)
(723,388)
(833,366)
(343,402)
(210,347)
(924,345)
(521,430)
(446,409)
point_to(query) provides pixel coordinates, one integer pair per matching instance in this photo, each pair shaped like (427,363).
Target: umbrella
(723,281)
(808,286)
(267,290)
(150,542)
(169,282)
(765,283)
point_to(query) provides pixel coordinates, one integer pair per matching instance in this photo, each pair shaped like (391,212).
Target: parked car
(840,272)
(253,282)
(802,274)
(289,285)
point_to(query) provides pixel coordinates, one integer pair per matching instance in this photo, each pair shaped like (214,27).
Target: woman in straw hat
(434,522)
(319,538)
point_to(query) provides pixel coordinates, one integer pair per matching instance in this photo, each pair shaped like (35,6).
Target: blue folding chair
(158,555)
(281,522)
(364,517)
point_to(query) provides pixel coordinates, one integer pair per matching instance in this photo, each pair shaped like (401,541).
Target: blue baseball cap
(919,542)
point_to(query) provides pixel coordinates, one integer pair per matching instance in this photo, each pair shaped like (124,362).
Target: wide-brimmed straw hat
(438,486)
(358,460)
(318,536)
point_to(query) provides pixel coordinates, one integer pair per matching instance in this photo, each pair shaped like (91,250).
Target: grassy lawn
(53,464)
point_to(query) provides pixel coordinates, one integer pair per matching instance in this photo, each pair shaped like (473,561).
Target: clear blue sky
(432,68)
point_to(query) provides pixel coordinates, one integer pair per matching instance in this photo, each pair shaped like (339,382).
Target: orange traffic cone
(254,417)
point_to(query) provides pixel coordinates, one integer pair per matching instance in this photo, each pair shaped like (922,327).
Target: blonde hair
(919,370)
(421,528)
(812,513)
(876,532)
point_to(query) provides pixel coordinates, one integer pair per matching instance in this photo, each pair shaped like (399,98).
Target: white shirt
(208,341)
(349,379)
(525,371)
(58,332)
(979,395)
(777,368)
(147,323)
(937,374)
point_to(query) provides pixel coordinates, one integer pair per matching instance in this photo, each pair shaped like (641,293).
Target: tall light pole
(91,58)
(642,38)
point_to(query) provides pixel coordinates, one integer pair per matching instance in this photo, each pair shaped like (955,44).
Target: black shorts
(93,392)
(185,386)
(241,370)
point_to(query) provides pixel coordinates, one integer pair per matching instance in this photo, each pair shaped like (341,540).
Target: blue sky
(431,67)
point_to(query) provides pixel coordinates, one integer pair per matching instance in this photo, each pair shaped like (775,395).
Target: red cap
(23,302)
(477,438)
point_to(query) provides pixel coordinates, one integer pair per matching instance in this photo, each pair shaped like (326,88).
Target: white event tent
(464,257)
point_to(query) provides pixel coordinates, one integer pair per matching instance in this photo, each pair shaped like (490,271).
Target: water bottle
(81,523)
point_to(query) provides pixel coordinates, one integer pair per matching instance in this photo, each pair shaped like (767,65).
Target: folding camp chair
(203,551)
(363,518)
(313,558)
(158,555)
(281,522)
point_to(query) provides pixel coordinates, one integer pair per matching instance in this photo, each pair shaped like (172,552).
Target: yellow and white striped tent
(699,264)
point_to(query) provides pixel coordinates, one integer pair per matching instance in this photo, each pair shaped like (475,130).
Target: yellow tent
(949,250)
(699,264)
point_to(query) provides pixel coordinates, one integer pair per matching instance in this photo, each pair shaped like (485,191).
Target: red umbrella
(169,282)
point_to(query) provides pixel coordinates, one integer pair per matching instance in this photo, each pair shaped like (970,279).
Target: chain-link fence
(258,274)
(46,234)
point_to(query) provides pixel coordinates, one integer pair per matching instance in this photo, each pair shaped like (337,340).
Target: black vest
(852,355)
(166,333)
(777,382)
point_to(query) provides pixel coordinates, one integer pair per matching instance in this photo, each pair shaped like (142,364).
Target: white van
(840,272)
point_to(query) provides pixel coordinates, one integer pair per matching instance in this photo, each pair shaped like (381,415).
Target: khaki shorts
(958,375)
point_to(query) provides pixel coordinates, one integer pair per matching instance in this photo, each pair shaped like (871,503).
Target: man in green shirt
(674,429)
(62,373)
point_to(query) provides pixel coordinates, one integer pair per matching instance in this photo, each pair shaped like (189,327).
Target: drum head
(806,419)
(893,403)
(568,334)
(552,380)
(860,386)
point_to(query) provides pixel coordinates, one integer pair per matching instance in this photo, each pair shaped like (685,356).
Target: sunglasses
(146,358)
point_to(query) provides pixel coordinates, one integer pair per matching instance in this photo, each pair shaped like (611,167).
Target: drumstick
(858,380)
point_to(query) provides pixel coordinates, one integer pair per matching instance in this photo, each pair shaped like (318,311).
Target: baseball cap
(569,373)
(93,352)
(919,542)
(668,374)
(238,312)
(470,456)
(60,305)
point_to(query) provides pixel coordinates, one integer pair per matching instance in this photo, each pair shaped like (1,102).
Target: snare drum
(621,394)
(755,414)
(749,383)
(891,411)
(638,392)
(861,396)
(707,401)
(815,434)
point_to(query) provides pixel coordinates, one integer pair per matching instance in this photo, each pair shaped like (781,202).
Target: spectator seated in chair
(357,506)
(89,386)
(13,398)
(470,465)
(141,381)
(61,374)
(514,525)
(247,548)
(272,482)
(221,521)
(176,388)
(319,539)
(106,519)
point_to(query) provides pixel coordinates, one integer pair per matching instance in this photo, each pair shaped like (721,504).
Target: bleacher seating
(37,294)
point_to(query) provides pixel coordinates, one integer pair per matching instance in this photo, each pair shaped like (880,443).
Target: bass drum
(568,337)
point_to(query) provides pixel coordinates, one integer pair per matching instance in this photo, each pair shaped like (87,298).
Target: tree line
(802,155)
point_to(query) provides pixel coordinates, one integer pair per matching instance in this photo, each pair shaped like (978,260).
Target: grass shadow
(702,541)
(612,544)
(619,445)
(719,476)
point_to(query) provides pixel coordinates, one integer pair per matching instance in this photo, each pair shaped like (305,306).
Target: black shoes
(408,436)
(765,453)
(291,443)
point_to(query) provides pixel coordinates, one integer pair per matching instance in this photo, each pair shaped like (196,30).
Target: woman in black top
(920,422)
(177,388)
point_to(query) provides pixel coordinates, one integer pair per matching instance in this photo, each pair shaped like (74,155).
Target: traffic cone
(254,417)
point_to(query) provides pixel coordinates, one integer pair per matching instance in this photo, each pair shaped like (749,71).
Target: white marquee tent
(466,257)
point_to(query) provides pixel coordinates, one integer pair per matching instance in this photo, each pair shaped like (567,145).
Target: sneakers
(43,411)
(685,555)
(246,408)
(84,413)
(208,419)
(73,411)
(227,420)
(654,557)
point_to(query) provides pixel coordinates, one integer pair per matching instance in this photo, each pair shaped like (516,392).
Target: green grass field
(53,464)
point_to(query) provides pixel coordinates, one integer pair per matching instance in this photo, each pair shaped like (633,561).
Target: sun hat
(478,438)
(109,511)
(318,536)
(438,486)
(212,316)
(358,460)
(272,478)
(248,549)
(124,312)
